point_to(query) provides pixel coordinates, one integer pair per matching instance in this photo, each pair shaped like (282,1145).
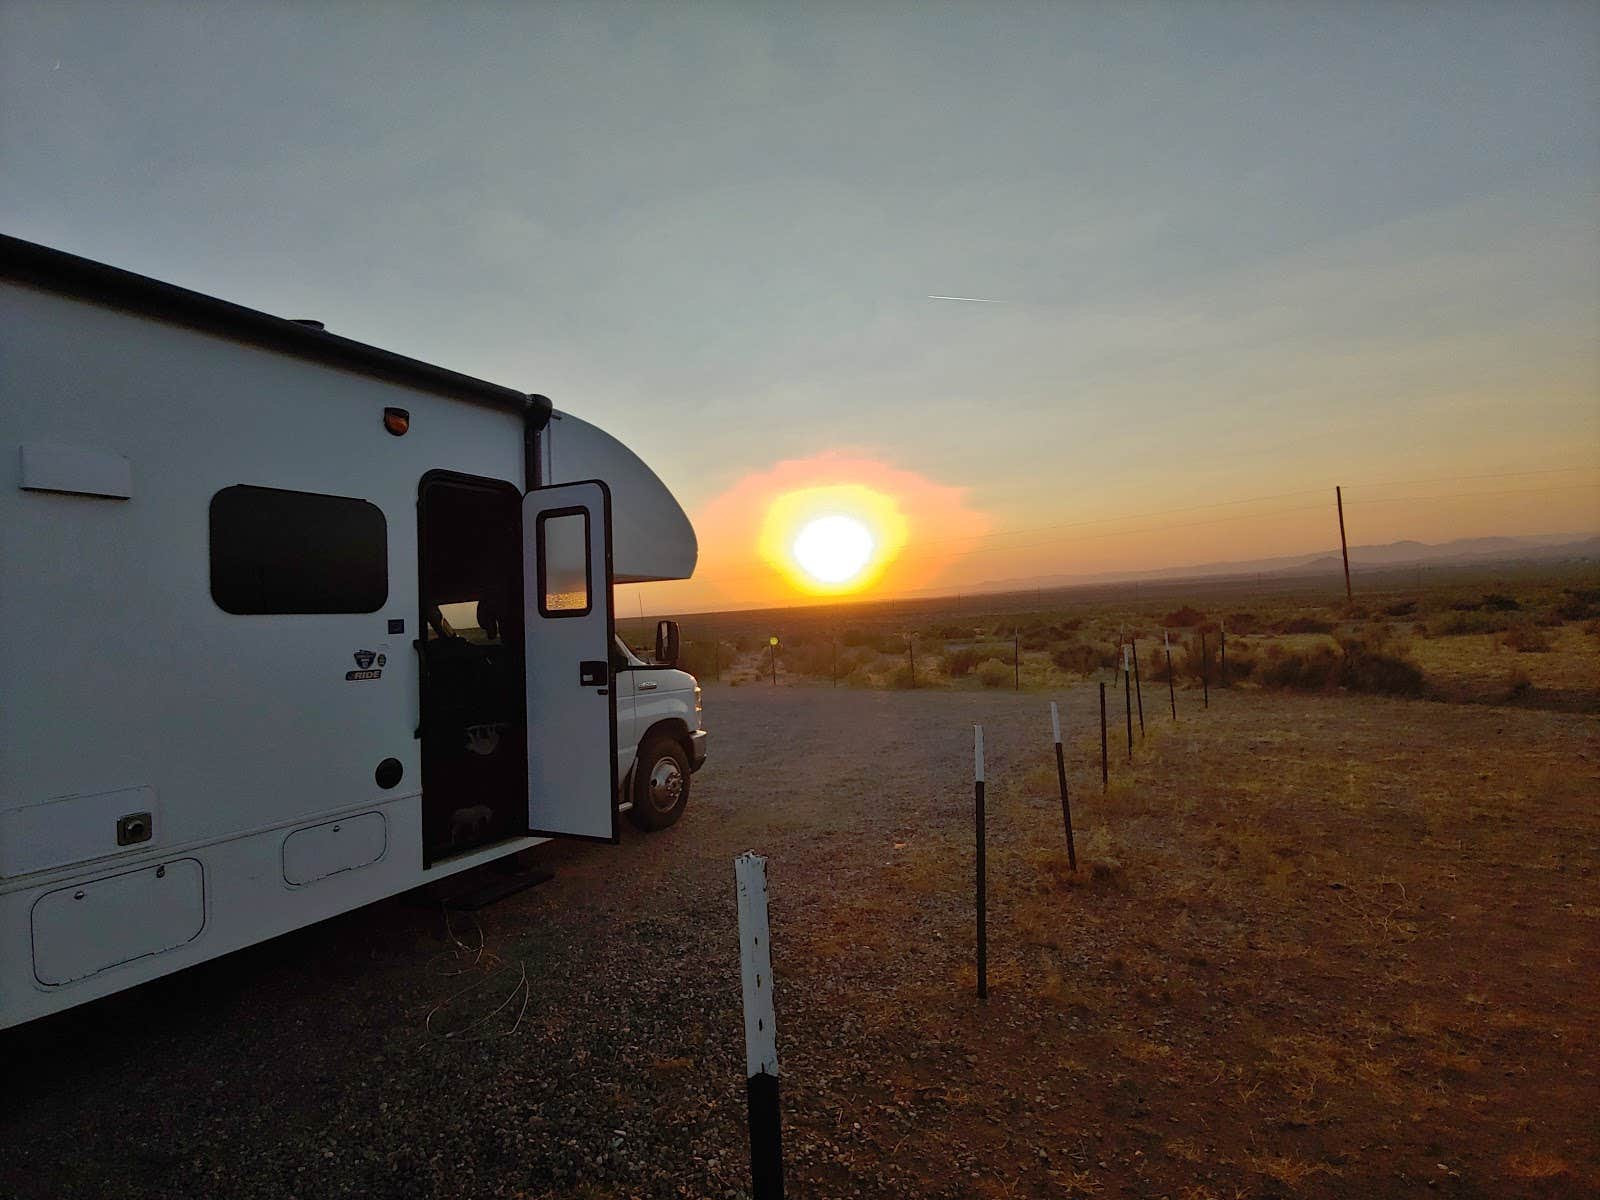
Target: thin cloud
(967,299)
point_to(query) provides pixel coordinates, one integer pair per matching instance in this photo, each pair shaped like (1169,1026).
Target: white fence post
(1061,776)
(760,1035)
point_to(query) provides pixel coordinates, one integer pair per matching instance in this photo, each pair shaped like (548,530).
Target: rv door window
(564,578)
(275,551)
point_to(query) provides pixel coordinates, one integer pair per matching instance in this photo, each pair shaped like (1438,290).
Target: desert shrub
(1302,671)
(747,642)
(1083,658)
(958,663)
(856,666)
(1525,639)
(1403,608)
(1592,628)
(1517,683)
(1466,605)
(1304,625)
(1042,637)
(703,660)
(1241,663)
(1357,664)
(857,637)
(1379,666)
(1463,622)
(1243,622)
(810,658)
(993,673)
(1579,605)
(1188,664)
(1183,618)
(1495,602)
(900,677)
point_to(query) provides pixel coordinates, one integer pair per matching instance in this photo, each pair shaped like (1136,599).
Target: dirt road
(1303,965)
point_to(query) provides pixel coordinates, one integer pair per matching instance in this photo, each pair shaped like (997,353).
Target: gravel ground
(1321,946)
(581,1038)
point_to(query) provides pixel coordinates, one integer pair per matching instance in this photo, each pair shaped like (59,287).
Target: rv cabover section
(268,646)
(650,534)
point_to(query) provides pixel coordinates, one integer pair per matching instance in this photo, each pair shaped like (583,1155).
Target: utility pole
(1344,546)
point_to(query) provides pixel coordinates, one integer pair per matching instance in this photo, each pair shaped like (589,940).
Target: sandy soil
(1320,946)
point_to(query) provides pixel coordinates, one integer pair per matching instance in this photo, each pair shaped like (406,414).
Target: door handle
(594,672)
(650,686)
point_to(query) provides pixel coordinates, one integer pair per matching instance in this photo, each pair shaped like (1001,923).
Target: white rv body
(250,741)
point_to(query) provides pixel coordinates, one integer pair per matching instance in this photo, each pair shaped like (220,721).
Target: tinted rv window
(297,552)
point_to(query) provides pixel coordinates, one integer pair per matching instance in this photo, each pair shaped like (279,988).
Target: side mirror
(667,643)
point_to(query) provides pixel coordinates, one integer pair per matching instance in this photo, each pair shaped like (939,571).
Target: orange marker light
(396,421)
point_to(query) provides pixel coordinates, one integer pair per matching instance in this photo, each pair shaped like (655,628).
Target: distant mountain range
(1538,548)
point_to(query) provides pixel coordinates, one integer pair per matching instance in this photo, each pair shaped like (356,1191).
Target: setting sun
(833,549)
(832,539)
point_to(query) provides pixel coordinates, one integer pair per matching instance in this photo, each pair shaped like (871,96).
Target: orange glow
(750,533)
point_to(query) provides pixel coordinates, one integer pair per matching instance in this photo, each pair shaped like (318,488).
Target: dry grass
(1327,923)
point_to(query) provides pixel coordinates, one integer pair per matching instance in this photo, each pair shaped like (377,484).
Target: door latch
(134,828)
(593,672)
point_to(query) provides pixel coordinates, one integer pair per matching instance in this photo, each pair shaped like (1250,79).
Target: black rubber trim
(83,279)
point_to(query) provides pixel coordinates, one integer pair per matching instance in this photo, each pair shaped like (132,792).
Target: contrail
(968,299)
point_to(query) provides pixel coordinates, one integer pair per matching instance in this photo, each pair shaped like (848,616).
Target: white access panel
(82,929)
(319,851)
(572,705)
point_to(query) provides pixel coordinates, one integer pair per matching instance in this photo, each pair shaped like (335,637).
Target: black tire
(660,783)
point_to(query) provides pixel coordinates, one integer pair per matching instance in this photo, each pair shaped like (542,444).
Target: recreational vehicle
(290,623)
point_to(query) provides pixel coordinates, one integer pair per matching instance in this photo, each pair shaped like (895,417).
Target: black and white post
(760,1037)
(982,880)
(1105,766)
(1138,688)
(1127,693)
(1172,693)
(1061,777)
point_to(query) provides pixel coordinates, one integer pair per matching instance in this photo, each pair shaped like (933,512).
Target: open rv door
(572,705)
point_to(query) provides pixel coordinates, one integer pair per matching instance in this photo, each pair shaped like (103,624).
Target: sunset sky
(1242,253)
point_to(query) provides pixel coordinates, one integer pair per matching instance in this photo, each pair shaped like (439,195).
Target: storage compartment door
(85,928)
(572,705)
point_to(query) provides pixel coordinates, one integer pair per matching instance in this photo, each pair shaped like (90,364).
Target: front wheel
(660,784)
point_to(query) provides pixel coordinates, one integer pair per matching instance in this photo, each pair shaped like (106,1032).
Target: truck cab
(661,742)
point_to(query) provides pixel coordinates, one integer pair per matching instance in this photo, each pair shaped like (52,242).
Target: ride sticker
(369,664)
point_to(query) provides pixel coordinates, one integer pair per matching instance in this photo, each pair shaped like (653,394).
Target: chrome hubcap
(665,785)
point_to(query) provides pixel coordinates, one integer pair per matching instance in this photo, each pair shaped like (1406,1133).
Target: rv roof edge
(57,271)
